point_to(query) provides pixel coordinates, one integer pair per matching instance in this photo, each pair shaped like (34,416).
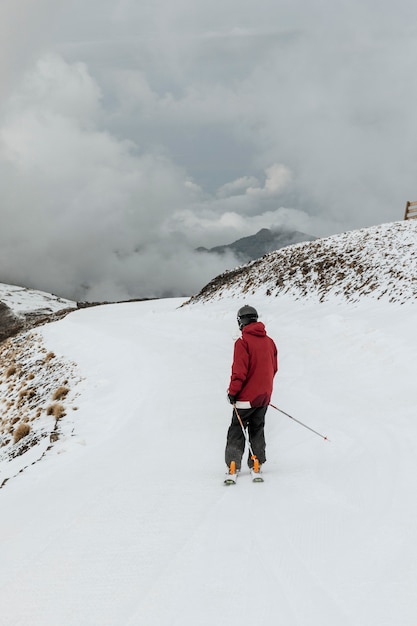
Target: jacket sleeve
(240,367)
(275,359)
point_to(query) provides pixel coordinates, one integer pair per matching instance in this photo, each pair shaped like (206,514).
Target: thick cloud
(131,133)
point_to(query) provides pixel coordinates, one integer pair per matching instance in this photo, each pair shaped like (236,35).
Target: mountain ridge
(379,261)
(22,308)
(264,241)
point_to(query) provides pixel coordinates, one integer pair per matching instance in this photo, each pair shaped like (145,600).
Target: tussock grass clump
(21,431)
(11,370)
(25,395)
(60,393)
(56,409)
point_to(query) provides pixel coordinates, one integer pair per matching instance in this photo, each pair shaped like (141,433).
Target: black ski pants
(254,421)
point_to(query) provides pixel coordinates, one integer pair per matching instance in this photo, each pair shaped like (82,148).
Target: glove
(232,399)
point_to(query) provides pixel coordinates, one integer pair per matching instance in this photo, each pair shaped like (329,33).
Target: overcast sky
(132,132)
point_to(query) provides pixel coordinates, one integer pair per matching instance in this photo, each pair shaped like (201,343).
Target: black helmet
(246,315)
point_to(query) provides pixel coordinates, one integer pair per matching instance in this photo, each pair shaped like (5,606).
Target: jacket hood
(256,328)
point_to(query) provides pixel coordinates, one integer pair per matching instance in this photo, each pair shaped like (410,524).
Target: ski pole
(245,434)
(298,422)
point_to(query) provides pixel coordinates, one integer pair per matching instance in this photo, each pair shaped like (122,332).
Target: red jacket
(255,363)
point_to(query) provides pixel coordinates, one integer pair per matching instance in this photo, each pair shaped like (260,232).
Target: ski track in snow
(127,523)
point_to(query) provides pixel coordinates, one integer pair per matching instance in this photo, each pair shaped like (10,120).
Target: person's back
(254,367)
(255,363)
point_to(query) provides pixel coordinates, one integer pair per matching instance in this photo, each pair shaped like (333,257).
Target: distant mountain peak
(264,241)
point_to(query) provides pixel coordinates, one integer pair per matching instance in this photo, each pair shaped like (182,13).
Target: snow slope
(21,309)
(125,520)
(23,301)
(378,262)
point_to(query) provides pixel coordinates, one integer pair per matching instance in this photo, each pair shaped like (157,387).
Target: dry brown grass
(60,393)
(33,382)
(56,409)
(11,370)
(21,431)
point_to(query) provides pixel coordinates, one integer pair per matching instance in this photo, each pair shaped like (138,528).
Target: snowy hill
(22,301)
(117,515)
(22,308)
(380,262)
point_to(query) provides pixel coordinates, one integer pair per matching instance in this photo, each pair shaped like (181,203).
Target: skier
(255,363)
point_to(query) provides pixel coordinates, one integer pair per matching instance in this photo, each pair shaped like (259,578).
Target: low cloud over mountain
(254,246)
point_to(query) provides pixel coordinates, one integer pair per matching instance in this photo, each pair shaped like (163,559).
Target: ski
(230,479)
(256,477)
(231,475)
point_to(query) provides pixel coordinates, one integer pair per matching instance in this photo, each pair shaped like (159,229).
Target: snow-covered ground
(125,520)
(22,300)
